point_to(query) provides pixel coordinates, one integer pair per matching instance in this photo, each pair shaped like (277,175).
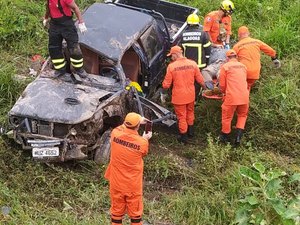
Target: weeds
(198,184)
(263,203)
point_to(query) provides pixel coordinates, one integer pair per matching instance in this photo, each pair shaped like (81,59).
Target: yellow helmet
(227,6)
(193,19)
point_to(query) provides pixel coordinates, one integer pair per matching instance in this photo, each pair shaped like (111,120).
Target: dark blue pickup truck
(68,118)
(134,36)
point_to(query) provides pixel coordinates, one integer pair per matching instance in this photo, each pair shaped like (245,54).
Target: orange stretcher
(213,94)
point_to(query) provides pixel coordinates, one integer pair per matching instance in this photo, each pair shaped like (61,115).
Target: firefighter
(196,45)
(61,27)
(195,42)
(218,25)
(233,83)
(125,169)
(248,51)
(181,74)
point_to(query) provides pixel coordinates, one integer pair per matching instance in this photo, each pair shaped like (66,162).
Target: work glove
(45,22)
(209,85)
(227,46)
(82,28)
(148,135)
(277,63)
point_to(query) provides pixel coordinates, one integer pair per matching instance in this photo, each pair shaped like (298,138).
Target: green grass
(195,184)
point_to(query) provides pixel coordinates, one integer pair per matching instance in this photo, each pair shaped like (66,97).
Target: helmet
(193,19)
(227,6)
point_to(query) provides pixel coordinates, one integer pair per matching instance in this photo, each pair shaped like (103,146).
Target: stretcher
(217,95)
(214,96)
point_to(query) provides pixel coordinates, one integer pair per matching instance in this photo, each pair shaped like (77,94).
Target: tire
(102,153)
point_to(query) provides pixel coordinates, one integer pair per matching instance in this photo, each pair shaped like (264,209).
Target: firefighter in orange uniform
(218,21)
(233,83)
(248,51)
(125,170)
(182,73)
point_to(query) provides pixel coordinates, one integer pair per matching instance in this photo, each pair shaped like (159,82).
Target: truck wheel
(102,153)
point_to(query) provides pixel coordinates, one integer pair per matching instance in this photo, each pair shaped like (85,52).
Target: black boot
(224,138)
(190,131)
(238,137)
(182,138)
(60,72)
(82,73)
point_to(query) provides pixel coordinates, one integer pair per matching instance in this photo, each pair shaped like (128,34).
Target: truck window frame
(151,43)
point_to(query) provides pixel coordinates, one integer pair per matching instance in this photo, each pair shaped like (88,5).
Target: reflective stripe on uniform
(207,44)
(76,60)
(116,221)
(58,63)
(136,220)
(199,47)
(77,63)
(58,60)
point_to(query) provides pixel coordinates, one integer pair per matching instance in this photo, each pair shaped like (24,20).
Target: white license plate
(45,152)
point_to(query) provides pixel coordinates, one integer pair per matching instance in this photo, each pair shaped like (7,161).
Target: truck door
(155,45)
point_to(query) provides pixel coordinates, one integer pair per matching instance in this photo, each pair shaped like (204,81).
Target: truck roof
(112,29)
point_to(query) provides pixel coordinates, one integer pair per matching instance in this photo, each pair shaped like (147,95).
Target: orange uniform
(248,52)
(182,74)
(213,24)
(233,83)
(125,174)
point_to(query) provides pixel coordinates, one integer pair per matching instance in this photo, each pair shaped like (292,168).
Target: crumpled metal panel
(111,43)
(47,99)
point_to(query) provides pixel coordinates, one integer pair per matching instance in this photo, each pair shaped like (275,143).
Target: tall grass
(10,88)
(198,184)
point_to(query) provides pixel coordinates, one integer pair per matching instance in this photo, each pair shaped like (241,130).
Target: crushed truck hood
(58,101)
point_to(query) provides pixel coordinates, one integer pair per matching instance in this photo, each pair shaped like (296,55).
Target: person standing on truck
(248,51)
(125,169)
(218,25)
(233,83)
(61,27)
(181,74)
(196,46)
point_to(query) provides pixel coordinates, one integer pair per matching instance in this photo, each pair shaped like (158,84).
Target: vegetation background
(195,184)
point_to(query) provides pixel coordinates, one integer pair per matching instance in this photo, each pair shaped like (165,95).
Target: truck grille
(60,130)
(49,129)
(41,127)
(45,129)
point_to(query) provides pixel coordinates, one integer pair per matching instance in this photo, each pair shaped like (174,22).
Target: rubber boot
(82,73)
(224,138)
(238,137)
(190,131)
(182,138)
(60,72)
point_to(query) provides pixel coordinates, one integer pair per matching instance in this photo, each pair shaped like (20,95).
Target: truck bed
(175,14)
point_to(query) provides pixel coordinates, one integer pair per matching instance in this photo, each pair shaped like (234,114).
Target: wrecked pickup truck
(69,117)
